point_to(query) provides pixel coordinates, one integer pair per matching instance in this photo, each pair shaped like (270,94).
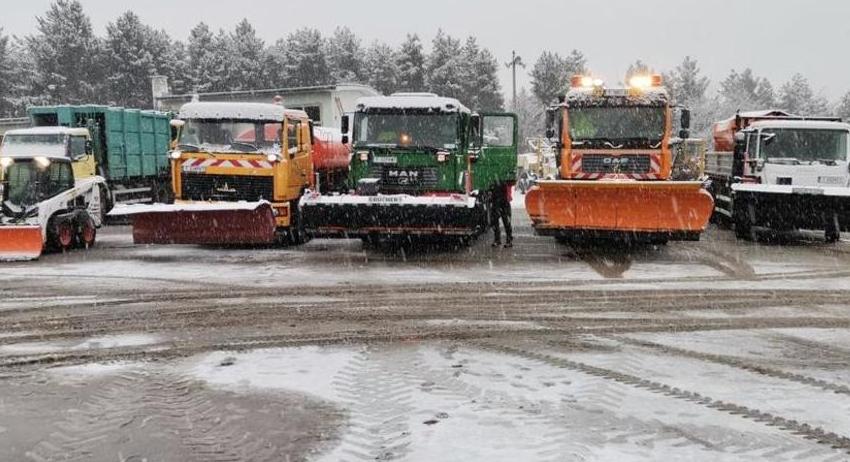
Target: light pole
(515,61)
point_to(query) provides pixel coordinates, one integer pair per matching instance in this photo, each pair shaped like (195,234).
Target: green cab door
(497,161)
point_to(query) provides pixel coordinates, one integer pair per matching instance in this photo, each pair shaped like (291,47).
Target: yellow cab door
(297,160)
(82,157)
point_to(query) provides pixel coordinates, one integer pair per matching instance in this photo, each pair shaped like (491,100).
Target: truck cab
(422,164)
(796,153)
(73,144)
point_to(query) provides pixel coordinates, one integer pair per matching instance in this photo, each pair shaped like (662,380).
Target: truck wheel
(106,202)
(61,234)
(296,233)
(743,216)
(832,232)
(87,234)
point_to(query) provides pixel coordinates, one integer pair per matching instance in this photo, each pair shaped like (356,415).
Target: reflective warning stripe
(224,163)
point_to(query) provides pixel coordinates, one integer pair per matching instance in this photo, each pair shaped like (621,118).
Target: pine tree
(201,56)
(302,59)
(411,65)
(796,96)
(843,108)
(67,55)
(6,71)
(345,56)
(480,84)
(745,91)
(246,61)
(445,68)
(551,74)
(130,64)
(685,83)
(383,71)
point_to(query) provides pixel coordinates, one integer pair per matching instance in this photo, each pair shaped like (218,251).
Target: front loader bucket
(673,209)
(202,224)
(20,243)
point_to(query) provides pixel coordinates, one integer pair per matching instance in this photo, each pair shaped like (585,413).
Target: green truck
(130,147)
(422,165)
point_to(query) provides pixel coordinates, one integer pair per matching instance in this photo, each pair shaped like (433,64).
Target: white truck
(775,170)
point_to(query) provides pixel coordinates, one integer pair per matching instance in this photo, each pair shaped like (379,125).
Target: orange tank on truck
(238,172)
(614,153)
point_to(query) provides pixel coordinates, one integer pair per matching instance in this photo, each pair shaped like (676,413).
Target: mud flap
(673,208)
(20,243)
(202,224)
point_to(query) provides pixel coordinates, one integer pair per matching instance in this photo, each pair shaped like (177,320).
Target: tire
(832,232)
(87,233)
(106,202)
(296,234)
(743,214)
(62,234)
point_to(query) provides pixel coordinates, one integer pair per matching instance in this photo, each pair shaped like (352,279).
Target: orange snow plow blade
(675,209)
(20,243)
(202,224)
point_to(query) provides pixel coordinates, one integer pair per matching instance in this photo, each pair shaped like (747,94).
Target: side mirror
(685,122)
(89,147)
(550,123)
(475,122)
(740,142)
(345,125)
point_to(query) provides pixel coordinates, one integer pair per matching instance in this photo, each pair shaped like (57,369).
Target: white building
(324,104)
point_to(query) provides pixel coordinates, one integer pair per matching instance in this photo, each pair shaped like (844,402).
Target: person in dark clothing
(501,210)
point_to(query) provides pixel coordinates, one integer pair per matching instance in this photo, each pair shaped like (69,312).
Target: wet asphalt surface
(714,350)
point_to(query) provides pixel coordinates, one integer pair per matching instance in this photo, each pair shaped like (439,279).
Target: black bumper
(359,220)
(792,211)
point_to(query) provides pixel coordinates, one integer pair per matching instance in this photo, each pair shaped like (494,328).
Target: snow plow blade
(677,210)
(202,223)
(20,243)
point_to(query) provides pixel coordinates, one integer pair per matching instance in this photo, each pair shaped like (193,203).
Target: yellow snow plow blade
(20,243)
(676,209)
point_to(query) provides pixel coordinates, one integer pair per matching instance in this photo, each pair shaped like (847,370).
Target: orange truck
(238,173)
(615,156)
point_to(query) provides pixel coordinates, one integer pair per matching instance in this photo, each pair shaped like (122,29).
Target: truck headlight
(5,162)
(364,155)
(273,158)
(442,156)
(176,154)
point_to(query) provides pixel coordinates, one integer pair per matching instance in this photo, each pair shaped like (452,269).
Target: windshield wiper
(250,146)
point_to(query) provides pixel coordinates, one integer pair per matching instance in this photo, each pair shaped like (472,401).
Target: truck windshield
(53,145)
(426,130)
(804,145)
(617,124)
(28,182)
(241,136)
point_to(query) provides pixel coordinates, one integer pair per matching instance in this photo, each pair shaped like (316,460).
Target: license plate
(385,160)
(832,180)
(384,200)
(812,191)
(194,169)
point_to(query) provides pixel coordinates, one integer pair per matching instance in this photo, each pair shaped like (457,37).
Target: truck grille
(203,187)
(405,179)
(607,163)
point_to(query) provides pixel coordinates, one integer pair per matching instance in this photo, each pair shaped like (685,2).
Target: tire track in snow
(814,433)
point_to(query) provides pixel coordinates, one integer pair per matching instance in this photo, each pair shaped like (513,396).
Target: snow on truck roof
(244,111)
(415,101)
(801,124)
(49,131)
(623,96)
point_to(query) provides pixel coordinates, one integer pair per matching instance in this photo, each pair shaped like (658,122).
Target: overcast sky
(776,38)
